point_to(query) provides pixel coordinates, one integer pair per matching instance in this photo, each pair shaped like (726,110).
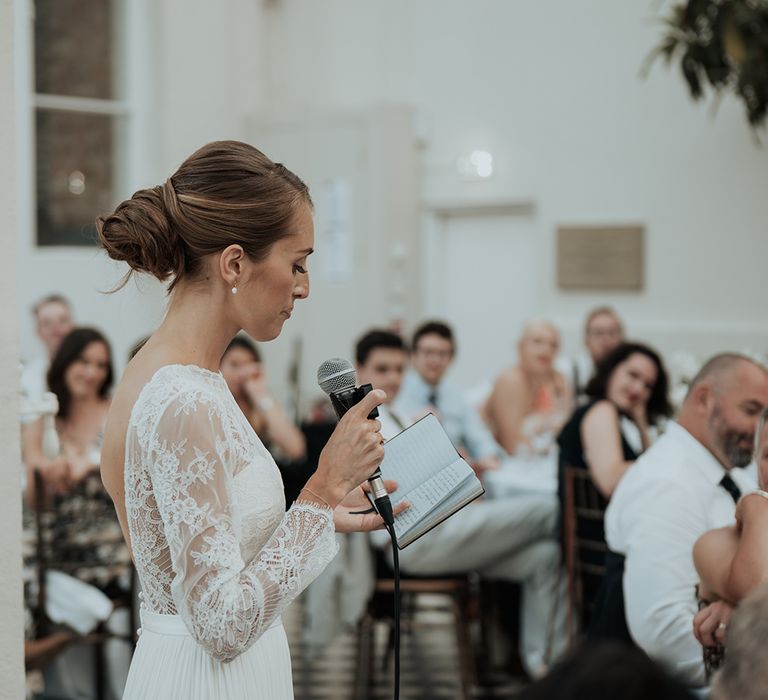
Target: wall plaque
(600,257)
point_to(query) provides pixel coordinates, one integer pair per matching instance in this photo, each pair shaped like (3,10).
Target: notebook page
(468,491)
(430,494)
(416,455)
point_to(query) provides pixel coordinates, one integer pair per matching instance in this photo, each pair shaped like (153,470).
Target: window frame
(132,42)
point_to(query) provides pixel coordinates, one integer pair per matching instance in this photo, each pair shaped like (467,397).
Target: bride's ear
(232,261)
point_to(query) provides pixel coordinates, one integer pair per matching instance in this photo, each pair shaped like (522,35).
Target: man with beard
(688,482)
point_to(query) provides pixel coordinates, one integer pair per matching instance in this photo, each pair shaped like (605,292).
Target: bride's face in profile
(270,288)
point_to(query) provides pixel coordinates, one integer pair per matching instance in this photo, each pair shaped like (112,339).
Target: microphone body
(343,398)
(338,379)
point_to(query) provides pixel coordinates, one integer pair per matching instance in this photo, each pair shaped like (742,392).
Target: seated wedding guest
(242,368)
(86,540)
(381,358)
(509,539)
(630,382)
(81,377)
(531,400)
(744,674)
(732,561)
(53,320)
(41,646)
(603,331)
(606,672)
(426,389)
(686,483)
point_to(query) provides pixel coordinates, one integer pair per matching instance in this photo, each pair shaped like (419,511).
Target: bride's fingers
(400,507)
(378,524)
(389,484)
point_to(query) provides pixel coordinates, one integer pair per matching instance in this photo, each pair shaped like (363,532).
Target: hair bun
(226,193)
(142,233)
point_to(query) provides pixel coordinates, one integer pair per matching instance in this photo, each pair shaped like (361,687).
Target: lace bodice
(205,508)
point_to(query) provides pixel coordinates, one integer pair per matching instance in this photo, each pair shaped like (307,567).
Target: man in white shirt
(509,539)
(53,321)
(685,484)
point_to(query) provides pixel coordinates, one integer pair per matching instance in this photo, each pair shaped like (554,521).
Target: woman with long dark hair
(630,383)
(83,534)
(628,392)
(243,370)
(81,376)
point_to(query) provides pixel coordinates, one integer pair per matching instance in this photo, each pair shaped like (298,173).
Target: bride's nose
(301,290)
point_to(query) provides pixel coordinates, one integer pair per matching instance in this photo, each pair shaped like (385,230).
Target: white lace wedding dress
(217,555)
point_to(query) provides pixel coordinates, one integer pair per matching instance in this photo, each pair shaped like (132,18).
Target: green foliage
(723,43)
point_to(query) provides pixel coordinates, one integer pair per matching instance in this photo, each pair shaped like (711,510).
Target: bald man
(531,400)
(688,482)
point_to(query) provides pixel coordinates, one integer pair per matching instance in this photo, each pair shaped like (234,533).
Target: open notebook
(430,475)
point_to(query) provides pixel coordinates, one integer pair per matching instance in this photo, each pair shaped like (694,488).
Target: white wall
(360,274)
(195,76)
(553,91)
(11,638)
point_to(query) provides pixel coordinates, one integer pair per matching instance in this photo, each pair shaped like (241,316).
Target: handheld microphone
(338,379)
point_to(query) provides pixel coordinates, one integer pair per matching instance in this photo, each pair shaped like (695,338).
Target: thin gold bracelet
(319,498)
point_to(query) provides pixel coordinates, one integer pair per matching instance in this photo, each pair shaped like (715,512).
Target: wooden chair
(83,559)
(456,594)
(714,657)
(584,545)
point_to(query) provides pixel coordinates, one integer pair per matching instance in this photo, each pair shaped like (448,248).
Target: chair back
(79,534)
(584,544)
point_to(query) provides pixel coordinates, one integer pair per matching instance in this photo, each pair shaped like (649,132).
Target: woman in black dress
(627,396)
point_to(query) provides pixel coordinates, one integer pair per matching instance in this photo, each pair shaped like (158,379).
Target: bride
(199,498)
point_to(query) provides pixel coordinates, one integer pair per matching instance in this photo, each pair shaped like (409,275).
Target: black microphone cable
(338,379)
(396,611)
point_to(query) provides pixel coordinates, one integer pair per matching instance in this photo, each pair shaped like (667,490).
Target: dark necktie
(396,420)
(432,398)
(730,486)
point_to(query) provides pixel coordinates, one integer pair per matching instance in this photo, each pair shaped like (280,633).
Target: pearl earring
(234,289)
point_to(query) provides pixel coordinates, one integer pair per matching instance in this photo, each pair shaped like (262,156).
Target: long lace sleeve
(226,603)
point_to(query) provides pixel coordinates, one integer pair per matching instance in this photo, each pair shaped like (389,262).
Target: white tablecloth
(523,474)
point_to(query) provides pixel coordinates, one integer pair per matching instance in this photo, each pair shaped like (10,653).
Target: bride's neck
(196,328)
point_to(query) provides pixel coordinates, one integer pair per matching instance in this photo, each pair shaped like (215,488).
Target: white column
(12,634)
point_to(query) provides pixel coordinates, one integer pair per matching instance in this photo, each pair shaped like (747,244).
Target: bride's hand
(353,453)
(356,500)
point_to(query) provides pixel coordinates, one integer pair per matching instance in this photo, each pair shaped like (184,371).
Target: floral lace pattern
(205,508)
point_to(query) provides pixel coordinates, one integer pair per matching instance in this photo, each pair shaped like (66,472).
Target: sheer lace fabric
(205,507)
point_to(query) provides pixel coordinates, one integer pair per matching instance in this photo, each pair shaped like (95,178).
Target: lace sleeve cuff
(311,507)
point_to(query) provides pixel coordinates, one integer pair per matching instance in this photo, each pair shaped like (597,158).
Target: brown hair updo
(225,193)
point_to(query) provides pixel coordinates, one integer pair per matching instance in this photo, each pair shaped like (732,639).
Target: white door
(482,275)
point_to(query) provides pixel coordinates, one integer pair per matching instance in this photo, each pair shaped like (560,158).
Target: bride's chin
(264,335)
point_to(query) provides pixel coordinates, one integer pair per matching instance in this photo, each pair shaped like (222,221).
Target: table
(534,474)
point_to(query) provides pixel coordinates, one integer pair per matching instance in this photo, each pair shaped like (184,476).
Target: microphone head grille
(336,375)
